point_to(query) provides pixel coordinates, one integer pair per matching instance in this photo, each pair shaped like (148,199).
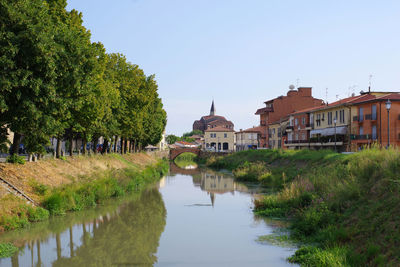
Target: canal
(191,218)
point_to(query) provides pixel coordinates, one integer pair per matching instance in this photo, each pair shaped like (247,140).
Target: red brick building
(370,122)
(279,107)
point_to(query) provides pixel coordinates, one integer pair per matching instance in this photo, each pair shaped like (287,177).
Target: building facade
(248,139)
(212,121)
(282,106)
(219,139)
(372,122)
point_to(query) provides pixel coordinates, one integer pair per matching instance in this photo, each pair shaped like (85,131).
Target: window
(303,120)
(211,135)
(329,118)
(361,112)
(318,119)
(303,136)
(361,130)
(273,131)
(225,135)
(373,111)
(296,122)
(336,116)
(323,116)
(341,116)
(374,137)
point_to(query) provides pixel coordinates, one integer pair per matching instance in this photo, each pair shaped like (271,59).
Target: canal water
(191,218)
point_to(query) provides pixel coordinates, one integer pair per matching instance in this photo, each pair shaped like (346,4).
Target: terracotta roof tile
(219,129)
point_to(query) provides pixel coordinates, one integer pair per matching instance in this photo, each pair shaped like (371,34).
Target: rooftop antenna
(337,97)
(369,87)
(326,94)
(297,82)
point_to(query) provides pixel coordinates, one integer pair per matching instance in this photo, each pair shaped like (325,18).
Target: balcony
(309,126)
(359,119)
(368,117)
(289,129)
(363,137)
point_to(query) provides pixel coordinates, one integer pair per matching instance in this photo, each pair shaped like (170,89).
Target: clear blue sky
(242,53)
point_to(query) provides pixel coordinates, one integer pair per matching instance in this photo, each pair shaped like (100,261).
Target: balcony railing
(310,125)
(290,128)
(368,117)
(363,137)
(297,142)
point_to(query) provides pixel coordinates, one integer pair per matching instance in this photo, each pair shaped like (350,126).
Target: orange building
(280,107)
(372,122)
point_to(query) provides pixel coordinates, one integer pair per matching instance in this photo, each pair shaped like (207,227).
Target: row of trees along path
(55,82)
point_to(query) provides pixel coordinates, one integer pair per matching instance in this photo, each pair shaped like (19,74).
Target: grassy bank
(132,173)
(344,209)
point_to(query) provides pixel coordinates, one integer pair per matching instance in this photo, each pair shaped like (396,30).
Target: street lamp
(388,105)
(334,121)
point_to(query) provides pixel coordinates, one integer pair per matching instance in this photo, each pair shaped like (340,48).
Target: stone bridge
(173,153)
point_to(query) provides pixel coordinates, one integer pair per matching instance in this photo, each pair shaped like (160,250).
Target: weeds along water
(88,191)
(344,209)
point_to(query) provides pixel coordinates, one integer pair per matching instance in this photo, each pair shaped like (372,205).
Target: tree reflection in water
(131,237)
(125,236)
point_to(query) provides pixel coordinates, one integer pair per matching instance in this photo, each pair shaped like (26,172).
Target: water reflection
(124,235)
(215,183)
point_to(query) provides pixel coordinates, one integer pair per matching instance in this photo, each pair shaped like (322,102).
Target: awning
(330,131)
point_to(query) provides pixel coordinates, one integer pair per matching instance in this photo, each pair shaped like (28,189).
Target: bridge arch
(173,153)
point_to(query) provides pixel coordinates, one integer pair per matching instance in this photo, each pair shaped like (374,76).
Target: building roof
(185,143)
(263,110)
(219,129)
(257,129)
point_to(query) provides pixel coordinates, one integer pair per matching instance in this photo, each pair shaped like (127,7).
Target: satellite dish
(291,87)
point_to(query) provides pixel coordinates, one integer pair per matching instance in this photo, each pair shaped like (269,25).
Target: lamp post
(334,121)
(388,105)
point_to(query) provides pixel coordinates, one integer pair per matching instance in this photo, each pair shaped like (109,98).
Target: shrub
(313,256)
(40,189)
(37,214)
(16,159)
(251,171)
(7,250)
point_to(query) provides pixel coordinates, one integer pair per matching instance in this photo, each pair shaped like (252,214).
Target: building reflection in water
(219,183)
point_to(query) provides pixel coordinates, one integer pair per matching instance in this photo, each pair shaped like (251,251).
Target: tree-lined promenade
(55,82)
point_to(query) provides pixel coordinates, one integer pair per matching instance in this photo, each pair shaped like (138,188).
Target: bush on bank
(345,207)
(88,192)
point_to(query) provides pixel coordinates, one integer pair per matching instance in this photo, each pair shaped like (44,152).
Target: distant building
(248,139)
(277,108)
(163,145)
(219,139)
(212,121)
(185,144)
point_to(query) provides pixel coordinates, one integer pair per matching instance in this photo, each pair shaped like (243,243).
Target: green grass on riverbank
(87,192)
(186,159)
(344,208)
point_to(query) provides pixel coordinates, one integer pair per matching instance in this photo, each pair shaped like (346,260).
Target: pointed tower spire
(212,110)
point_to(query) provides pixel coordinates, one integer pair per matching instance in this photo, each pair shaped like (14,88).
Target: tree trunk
(84,143)
(115,144)
(122,145)
(58,148)
(134,146)
(71,145)
(95,142)
(125,145)
(105,146)
(30,157)
(130,146)
(16,142)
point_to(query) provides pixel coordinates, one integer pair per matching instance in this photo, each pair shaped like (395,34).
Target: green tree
(27,69)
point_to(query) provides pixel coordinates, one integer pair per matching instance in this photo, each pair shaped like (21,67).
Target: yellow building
(248,139)
(219,139)
(274,135)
